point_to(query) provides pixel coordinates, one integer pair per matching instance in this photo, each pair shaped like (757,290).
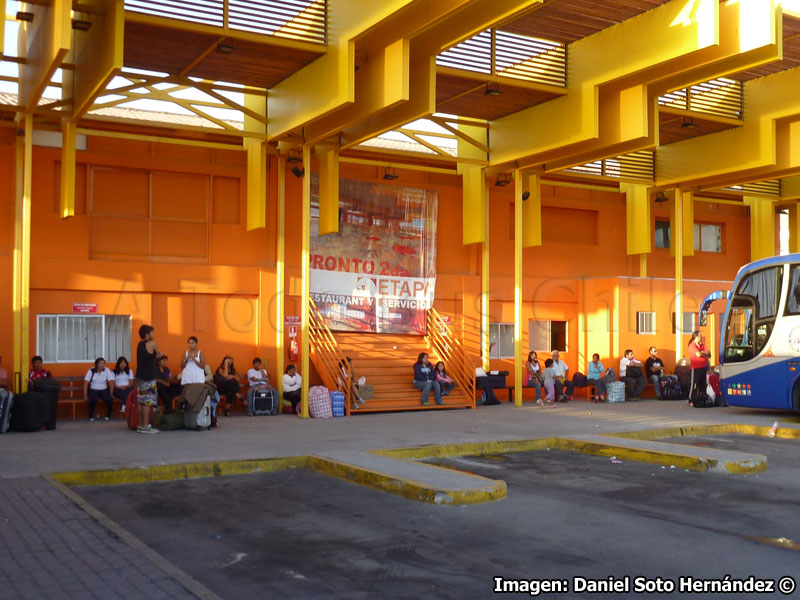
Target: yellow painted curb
(757,464)
(792,433)
(178,471)
(495,489)
(465,449)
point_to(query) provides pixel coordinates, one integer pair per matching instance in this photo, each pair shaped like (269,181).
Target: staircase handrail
(326,355)
(449,348)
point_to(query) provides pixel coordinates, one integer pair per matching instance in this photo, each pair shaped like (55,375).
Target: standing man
(630,371)
(147,354)
(561,371)
(654,370)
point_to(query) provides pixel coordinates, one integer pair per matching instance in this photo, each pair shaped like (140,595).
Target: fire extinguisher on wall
(293,350)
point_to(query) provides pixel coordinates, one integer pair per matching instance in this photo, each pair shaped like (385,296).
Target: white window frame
(691,328)
(698,237)
(645,323)
(495,352)
(59,317)
(549,328)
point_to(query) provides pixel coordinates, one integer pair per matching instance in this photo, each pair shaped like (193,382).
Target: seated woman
(257,378)
(124,381)
(346,365)
(535,375)
(595,374)
(95,385)
(227,381)
(167,390)
(445,381)
(425,379)
(292,382)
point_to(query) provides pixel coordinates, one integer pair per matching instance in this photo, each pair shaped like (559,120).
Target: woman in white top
(193,364)
(292,382)
(95,385)
(124,380)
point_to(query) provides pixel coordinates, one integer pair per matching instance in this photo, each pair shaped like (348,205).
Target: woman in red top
(698,355)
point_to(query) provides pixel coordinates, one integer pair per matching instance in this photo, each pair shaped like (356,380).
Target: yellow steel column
(328,160)
(22,254)
(518,191)
(67,200)
(677,242)
(762,227)
(637,203)
(306,250)
(712,338)
(485,344)
(279,275)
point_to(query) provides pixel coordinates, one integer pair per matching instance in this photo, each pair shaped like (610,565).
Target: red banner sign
(84,308)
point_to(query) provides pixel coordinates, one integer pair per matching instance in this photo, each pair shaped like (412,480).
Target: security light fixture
(294,157)
(390,174)
(688,123)
(224,48)
(660,197)
(81,25)
(492,91)
(24,16)
(525,195)
(502,179)
(298,171)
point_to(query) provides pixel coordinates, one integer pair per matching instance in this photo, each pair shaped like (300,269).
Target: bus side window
(793,300)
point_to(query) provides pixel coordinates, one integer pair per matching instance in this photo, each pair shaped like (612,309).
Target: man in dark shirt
(655,370)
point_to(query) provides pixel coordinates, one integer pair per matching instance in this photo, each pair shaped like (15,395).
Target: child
(550,382)
(445,382)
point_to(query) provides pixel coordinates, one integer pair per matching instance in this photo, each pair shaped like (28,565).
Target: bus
(759,355)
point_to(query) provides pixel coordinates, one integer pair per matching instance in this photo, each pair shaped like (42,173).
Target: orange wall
(200,272)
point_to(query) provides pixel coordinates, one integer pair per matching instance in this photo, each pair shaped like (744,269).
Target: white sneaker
(91,419)
(106,419)
(122,410)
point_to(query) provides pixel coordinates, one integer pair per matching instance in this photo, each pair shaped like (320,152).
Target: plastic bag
(362,380)
(710,392)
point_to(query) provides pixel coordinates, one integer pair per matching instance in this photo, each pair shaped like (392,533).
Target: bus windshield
(753,311)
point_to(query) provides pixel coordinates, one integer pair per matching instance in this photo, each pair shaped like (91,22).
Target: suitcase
(683,370)
(265,402)
(319,402)
(132,410)
(337,404)
(29,412)
(199,420)
(616,392)
(6,404)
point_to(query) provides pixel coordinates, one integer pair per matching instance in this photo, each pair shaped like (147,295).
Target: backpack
(579,379)
(703,401)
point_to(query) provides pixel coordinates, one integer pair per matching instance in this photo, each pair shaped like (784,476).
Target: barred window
(83,338)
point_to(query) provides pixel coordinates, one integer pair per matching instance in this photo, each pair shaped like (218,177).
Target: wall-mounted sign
(291,320)
(292,331)
(84,308)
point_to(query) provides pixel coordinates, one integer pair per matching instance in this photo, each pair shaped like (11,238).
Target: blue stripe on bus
(770,386)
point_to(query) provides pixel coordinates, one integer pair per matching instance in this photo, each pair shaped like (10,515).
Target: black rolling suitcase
(6,403)
(29,412)
(265,402)
(50,388)
(670,388)
(683,370)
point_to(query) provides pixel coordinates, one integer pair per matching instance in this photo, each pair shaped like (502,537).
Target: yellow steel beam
(44,42)
(617,74)
(676,246)
(97,57)
(256,184)
(236,145)
(22,253)
(519,188)
(684,207)
(67,200)
(473,204)
(328,159)
(386,163)
(485,284)
(532,212)
(762,227)
(305,249)
(637,202)
(280,240)
(297,101)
